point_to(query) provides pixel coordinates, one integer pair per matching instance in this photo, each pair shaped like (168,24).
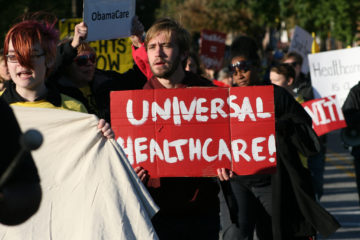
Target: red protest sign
(326,114)
(194,131)
(212,49)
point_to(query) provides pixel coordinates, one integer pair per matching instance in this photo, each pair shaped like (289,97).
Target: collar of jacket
(11,96)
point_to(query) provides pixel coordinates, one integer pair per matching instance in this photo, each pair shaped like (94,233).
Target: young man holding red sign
(280,206)
(189,207)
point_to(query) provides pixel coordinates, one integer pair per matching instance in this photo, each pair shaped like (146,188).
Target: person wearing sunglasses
(302,84)
(76,75)
(279,206)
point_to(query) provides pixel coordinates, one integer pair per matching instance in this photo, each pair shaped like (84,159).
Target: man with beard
(189,207)
(167,52)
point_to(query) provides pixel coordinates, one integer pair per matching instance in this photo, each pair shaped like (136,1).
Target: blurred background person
(303,92)
(225,77)
(283,75)
(4,72)
(302,84)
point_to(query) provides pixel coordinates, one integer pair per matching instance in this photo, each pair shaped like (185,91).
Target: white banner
(108,19)
(90,190)
(335,72)
(301,43)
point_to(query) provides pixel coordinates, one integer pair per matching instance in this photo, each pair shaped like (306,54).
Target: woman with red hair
(30,52)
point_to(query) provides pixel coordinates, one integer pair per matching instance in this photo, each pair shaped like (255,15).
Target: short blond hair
(171,28)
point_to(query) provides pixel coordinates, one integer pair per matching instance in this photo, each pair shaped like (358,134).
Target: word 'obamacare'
(201,109)
(96,16)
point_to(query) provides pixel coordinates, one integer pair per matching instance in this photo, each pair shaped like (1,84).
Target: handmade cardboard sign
(335,72)
(212,49)
(191,132)
(326,114)
(108,19)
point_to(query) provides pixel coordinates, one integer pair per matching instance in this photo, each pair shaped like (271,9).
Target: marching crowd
(36,70)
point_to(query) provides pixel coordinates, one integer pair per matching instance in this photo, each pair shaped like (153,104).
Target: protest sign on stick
(192,132)
(108,19)
(326,114)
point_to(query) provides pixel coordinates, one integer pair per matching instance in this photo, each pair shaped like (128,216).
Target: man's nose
(159,51)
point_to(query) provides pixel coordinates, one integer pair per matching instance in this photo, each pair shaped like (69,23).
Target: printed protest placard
(108,19)
(112,54)
(212,49)
(301,43)
(192,132)
(335,72)
(326,114)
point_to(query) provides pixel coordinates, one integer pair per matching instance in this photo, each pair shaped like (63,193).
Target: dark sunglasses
(241,66)
(82,60)
(293,64)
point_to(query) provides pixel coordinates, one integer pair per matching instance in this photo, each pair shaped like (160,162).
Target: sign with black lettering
(112,54)
(335,72)
(301,43)
(108,19)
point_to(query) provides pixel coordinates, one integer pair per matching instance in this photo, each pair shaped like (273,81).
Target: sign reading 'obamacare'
(108,19)
(118,14)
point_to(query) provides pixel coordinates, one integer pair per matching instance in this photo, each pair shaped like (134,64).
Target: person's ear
(290,81)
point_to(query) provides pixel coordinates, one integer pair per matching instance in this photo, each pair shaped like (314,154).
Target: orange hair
(26,34)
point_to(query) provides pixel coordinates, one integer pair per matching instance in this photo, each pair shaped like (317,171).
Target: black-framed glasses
(13,59)
(82,60)
(242,66)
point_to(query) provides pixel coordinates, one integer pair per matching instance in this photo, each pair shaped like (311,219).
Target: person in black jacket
(20,196)
(280,206)
(351,110)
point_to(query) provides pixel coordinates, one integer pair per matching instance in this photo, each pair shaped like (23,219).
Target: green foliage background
(339,18)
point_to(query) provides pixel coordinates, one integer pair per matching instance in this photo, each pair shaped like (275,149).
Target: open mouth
(24,73)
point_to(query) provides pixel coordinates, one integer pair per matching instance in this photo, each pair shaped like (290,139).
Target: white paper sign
(108,19)
(301,43)
(335,72)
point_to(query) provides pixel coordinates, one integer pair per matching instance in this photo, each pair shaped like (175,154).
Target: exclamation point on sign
(272,148)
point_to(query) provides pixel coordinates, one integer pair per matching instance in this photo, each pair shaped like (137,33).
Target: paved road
(340,193)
